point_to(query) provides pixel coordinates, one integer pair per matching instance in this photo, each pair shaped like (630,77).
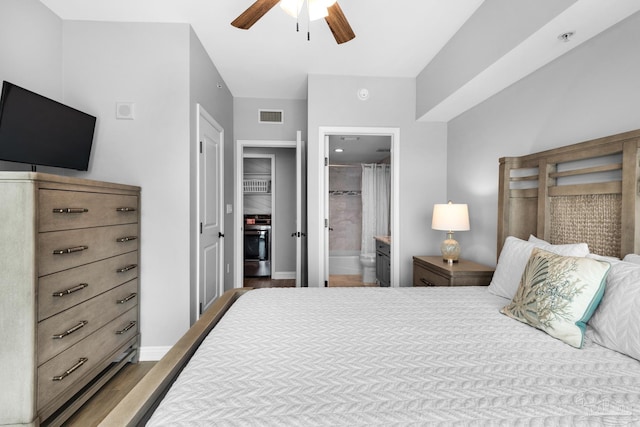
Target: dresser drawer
(424,277)
(383,248)
(83,246)
(60,332)
(70,368)
(64,210)
(62,290)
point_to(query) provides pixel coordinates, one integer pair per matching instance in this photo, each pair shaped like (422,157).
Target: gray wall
(164,70)
(31,52)
(245,112)
(590,92)
(333,102)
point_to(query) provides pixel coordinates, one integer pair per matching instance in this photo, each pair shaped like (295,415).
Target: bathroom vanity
(383,260)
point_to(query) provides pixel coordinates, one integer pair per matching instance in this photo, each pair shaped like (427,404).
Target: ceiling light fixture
(339,150)
(317,9)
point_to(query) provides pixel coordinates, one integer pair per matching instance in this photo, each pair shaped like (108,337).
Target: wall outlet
(229,208)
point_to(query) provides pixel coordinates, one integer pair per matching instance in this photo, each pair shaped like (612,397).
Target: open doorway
(392,252)
(359,208)
(268,214)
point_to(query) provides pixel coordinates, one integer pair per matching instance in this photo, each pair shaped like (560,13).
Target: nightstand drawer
(424,277)
(432,271)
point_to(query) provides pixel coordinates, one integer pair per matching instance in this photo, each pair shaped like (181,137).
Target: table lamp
(450,217)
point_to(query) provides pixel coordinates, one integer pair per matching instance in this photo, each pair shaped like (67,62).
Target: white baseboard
(154,354)
(282,275)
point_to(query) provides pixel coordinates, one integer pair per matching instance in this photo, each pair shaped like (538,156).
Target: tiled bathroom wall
(345,208)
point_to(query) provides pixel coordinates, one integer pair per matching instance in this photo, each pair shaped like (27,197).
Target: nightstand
(432,271)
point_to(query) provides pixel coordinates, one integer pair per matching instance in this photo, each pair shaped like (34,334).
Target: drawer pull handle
(125,209)
(130,297)
(69,371)
(70,331)
(80,287)
(70,250)
(70,210)
(426,282)
(126,239)
(127,268)
(126,328)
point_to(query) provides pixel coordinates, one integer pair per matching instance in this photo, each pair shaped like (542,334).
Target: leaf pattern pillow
(558,294)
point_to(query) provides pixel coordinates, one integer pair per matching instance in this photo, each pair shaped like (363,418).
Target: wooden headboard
(585,192)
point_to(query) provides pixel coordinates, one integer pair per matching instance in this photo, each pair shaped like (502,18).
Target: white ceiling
(270,60)
(393,39)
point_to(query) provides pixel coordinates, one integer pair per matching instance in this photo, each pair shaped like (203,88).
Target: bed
(437,356)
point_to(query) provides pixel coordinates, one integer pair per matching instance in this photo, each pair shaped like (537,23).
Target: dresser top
(43,178)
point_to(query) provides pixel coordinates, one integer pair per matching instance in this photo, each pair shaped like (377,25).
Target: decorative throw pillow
(513,258)
(616,322)
(558,294)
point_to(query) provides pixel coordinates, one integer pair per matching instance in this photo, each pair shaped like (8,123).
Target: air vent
(271,116)
(383,150)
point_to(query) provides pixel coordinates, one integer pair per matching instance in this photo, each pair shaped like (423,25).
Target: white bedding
(408,356)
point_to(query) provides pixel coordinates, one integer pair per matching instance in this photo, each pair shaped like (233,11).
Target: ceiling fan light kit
(317,9)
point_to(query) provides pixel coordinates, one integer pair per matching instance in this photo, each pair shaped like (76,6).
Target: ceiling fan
(327,9)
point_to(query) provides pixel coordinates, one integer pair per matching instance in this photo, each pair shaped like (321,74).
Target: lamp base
(450,249)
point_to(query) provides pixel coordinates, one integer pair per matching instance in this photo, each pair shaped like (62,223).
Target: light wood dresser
(69,291)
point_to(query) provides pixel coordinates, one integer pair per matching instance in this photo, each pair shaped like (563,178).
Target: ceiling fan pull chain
(308,21)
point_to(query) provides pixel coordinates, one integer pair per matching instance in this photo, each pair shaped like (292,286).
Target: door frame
(238,154)
(202,114)
(323,232)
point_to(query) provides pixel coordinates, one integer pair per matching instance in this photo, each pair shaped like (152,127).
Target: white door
(211,217)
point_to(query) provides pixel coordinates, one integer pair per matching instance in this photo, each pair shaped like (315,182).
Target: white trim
(151,353)
(394,133)
(238,153)
(283,275)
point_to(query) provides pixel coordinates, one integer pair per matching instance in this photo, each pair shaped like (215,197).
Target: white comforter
(409,356)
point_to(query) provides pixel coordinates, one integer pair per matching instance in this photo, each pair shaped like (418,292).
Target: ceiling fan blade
(339,25)
(253,13)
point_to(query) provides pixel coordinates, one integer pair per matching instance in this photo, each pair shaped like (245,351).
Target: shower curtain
(376,191)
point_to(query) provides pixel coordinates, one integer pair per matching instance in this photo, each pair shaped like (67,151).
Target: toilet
(368,263)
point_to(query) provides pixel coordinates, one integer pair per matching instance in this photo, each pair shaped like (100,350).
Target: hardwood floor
(344,280)
(97,408)
(266,282)
(348,280)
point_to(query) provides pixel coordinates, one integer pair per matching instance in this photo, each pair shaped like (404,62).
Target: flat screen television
(40,131)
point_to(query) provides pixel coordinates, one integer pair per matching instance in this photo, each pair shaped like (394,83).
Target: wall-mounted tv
(40,131)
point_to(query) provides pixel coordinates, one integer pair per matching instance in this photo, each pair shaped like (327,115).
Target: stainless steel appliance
(257,245)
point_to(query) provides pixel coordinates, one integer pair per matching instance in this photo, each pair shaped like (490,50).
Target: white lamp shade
(450,217)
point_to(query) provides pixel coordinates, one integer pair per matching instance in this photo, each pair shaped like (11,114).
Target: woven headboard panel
(586,192)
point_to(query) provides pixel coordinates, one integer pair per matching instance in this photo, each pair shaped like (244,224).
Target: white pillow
(616,322)
(534,239)
(633,258)
(609,259)
(513,258)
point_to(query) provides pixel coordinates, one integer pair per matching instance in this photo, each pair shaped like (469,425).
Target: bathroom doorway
(359,206)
